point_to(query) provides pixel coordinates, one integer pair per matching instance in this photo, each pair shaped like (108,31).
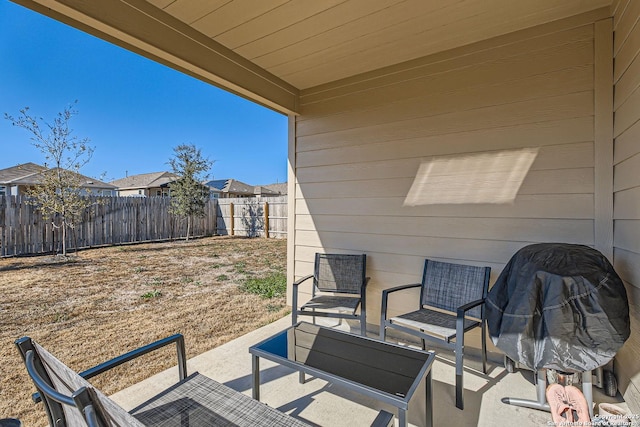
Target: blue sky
(132,109)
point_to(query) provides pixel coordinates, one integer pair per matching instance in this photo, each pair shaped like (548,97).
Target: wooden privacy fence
(119,220)
(253,217)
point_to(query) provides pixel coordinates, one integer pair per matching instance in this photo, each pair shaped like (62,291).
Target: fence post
(266,220)
(231,233)
(3,226)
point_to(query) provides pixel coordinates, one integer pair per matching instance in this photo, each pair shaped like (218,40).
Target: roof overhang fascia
(142,28)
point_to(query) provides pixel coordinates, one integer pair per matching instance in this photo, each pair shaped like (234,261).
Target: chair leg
(424,345)
(383,327)
(363,324)
(484,347)
(383,316)
(459,369)
(459,357)
(294,305)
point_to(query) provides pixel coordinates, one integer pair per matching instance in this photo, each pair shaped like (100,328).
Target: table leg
(402,418)
(429,397)
(255,368)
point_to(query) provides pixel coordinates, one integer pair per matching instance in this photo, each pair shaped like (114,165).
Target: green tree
(188,193)
(59,194)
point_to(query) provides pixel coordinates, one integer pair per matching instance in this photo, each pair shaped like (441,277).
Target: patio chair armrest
(299,281)
(41,383)
(178,339)
(364,285)
(468,306)
(386,292)
(294,297)
(117,361)
(384,419)
(385,298)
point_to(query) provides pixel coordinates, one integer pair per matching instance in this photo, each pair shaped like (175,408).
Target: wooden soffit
(270,50)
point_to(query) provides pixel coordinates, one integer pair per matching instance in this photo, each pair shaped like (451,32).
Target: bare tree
(188,193)
(59,194)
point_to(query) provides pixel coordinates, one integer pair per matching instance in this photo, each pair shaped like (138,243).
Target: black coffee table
(384,371)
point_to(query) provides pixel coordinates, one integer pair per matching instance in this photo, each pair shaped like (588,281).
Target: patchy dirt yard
(103,302)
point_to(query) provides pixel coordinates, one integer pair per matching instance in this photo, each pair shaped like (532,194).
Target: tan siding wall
(627,183)
(359,144)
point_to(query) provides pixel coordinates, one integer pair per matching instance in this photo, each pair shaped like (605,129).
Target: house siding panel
(359,144)
(627,184)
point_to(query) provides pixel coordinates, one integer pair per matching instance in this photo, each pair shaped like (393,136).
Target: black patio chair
(452,300)
(339,288)
(194,401)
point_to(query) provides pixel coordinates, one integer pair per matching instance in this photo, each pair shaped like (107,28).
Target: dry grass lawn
(104,302)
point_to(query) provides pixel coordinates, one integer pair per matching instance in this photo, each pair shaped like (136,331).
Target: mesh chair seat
(195,399)
(433,322)
(330,302)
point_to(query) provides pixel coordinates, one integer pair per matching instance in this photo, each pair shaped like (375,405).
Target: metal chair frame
(461,314)
(53,400)
(318,290)
(89,407)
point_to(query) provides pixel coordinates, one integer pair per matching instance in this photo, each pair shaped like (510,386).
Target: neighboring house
(226,188)
(11,179)
(145,184)
(16,180)
(279,188)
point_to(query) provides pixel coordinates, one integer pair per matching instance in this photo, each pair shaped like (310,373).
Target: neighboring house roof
(31,174)
(260,190)
(233,186)
(217,184)
(145,180)
(9,175)
(280,188)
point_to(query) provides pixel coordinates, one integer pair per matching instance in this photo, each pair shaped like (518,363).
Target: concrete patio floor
(319,403)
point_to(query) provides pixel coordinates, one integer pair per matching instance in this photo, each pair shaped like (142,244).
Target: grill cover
(558,306)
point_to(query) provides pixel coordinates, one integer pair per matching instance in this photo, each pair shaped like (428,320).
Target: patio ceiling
(270,50)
